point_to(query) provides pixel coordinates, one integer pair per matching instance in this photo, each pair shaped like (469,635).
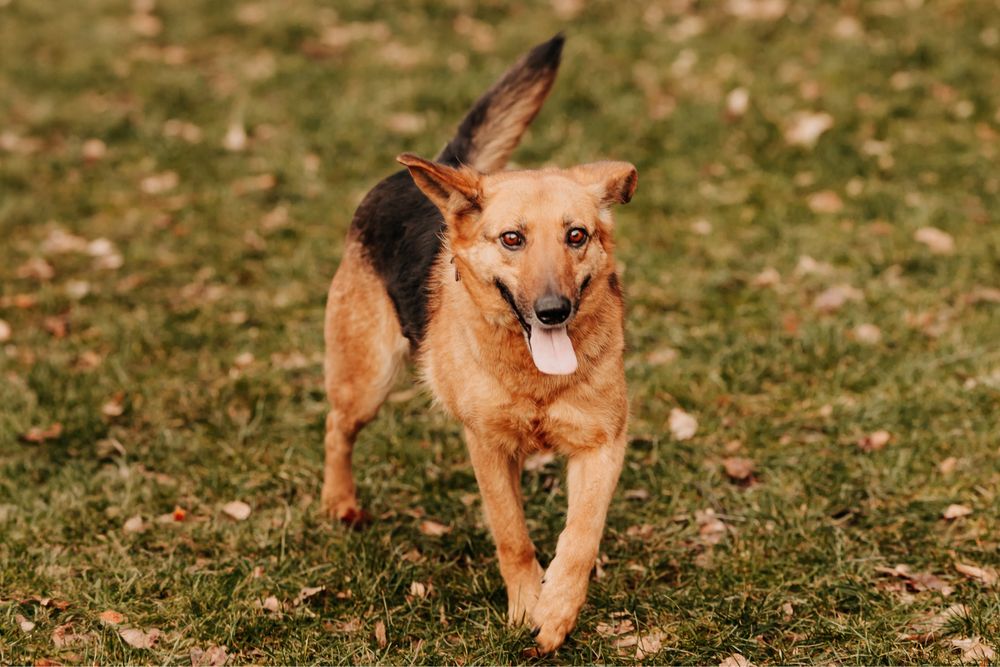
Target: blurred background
(812,266)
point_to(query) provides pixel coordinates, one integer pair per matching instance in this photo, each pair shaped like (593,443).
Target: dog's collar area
(509,298)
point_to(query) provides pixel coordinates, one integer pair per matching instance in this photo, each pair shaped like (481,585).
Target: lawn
(812,268)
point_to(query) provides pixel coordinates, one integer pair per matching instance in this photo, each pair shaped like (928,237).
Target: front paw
(555,614)
(522,595)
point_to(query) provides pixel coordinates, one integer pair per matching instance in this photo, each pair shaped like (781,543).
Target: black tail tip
(547,54)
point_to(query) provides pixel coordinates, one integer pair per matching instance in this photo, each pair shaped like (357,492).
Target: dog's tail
(491,130)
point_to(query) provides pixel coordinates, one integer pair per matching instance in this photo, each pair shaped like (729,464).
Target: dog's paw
(554,617)
(522,595)
(347,512)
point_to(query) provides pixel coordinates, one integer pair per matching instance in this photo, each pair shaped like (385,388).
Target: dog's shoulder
(400,231)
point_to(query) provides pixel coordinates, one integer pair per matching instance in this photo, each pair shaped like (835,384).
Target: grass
(235,257)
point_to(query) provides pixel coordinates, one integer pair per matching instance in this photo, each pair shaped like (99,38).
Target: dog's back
(397,225)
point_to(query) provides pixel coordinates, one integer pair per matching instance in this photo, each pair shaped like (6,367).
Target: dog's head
(531,242)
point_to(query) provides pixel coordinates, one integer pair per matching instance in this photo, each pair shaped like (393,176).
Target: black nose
(553,309)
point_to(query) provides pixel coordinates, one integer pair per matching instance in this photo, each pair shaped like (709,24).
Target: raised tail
(491,130)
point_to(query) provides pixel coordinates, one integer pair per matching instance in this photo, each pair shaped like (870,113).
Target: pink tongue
(552,351)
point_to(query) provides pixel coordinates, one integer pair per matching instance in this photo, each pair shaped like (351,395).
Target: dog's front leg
(591,477)
(499,478)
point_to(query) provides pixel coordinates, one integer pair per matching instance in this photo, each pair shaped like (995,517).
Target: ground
(812,265)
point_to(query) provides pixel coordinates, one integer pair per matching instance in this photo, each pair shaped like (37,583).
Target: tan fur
(477,363)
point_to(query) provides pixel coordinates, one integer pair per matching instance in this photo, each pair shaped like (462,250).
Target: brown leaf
(419,589)
(5,331)
(615,629)
(63,636)
(433,528)
(937,241)
(955,511)
(271,604)
(833,299)
(636,494)
(738,468)
(984,575)
(134,524)
(158,184)
(115,406)
(349,626)
(643,531)
(306,593)
(710,527)
(36,268)
(380,634)
(825,201)
(93,150)
(111,617)
(56,325)
(140,639)
(974,651)
(735,660)
(213,656)
(868,334)
(805,128)
(682,425)
(237,510)
(23,623)
(929,627)
(873,442)
(39,435)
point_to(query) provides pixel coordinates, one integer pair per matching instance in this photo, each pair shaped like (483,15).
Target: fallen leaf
(710,527)
(115,406)
(235,139)
(237,510)
(825,201)
(56,325)
(615,629)
(974,651)
(271,604)
(307,592)
(5,331)
(768,277)
(873,442)
(433,528)
(948,465)
(140,639)
(956,511)
(23,623)
(937,241)
(735,660)
(213,656)
(380,634)
(158,184)
(757,10)
(134,524)
(682,425)
(352,625)
(258,183)
(929,627)
(833,298)
(983,295)
(36,268)
(868,334)
(418,589)
(39,435)
(63,636)
(738,468)
(636,494)
(643,531)
(737,103)
(917,581)
(111,617)
(805,128)
(984,575)
(93,150)
(662,355)
(59,242)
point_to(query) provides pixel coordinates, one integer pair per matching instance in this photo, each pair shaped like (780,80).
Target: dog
(502,285)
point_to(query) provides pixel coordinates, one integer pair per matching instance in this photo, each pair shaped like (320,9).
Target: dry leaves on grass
(711,528)
(987,576)
(973,650)
(433,528)
(834,298)
(140,639)
(380,636)
(937,241)
(875,441)
(5,331)
(110,617)
(64,636)
(23,623)
(955,511)
(641,646)
(38,435)
(867,334)
(236,510)
(735,660)
(134,524)
(917,581)
(805,128)
(930,627)
(738,468)
(307,592)
(682,425)
(614,629)
(213,656)
(270,604)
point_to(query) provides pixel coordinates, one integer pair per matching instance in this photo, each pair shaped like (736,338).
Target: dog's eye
(576,237)
(512,240)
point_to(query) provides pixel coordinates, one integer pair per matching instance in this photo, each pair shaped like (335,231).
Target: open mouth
(550,346)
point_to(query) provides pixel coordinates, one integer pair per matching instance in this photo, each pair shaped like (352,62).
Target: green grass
(207,275)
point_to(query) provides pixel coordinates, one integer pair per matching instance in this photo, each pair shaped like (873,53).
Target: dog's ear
(454,191)
(612,182)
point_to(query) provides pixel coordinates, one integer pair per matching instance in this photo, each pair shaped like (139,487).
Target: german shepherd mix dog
(503,286)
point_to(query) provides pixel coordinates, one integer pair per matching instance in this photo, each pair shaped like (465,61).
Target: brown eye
(512,240)
(576,237)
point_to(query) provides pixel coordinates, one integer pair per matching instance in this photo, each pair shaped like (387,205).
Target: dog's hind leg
(365,348)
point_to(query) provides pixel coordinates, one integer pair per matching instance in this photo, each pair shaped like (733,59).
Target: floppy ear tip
(408,159)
